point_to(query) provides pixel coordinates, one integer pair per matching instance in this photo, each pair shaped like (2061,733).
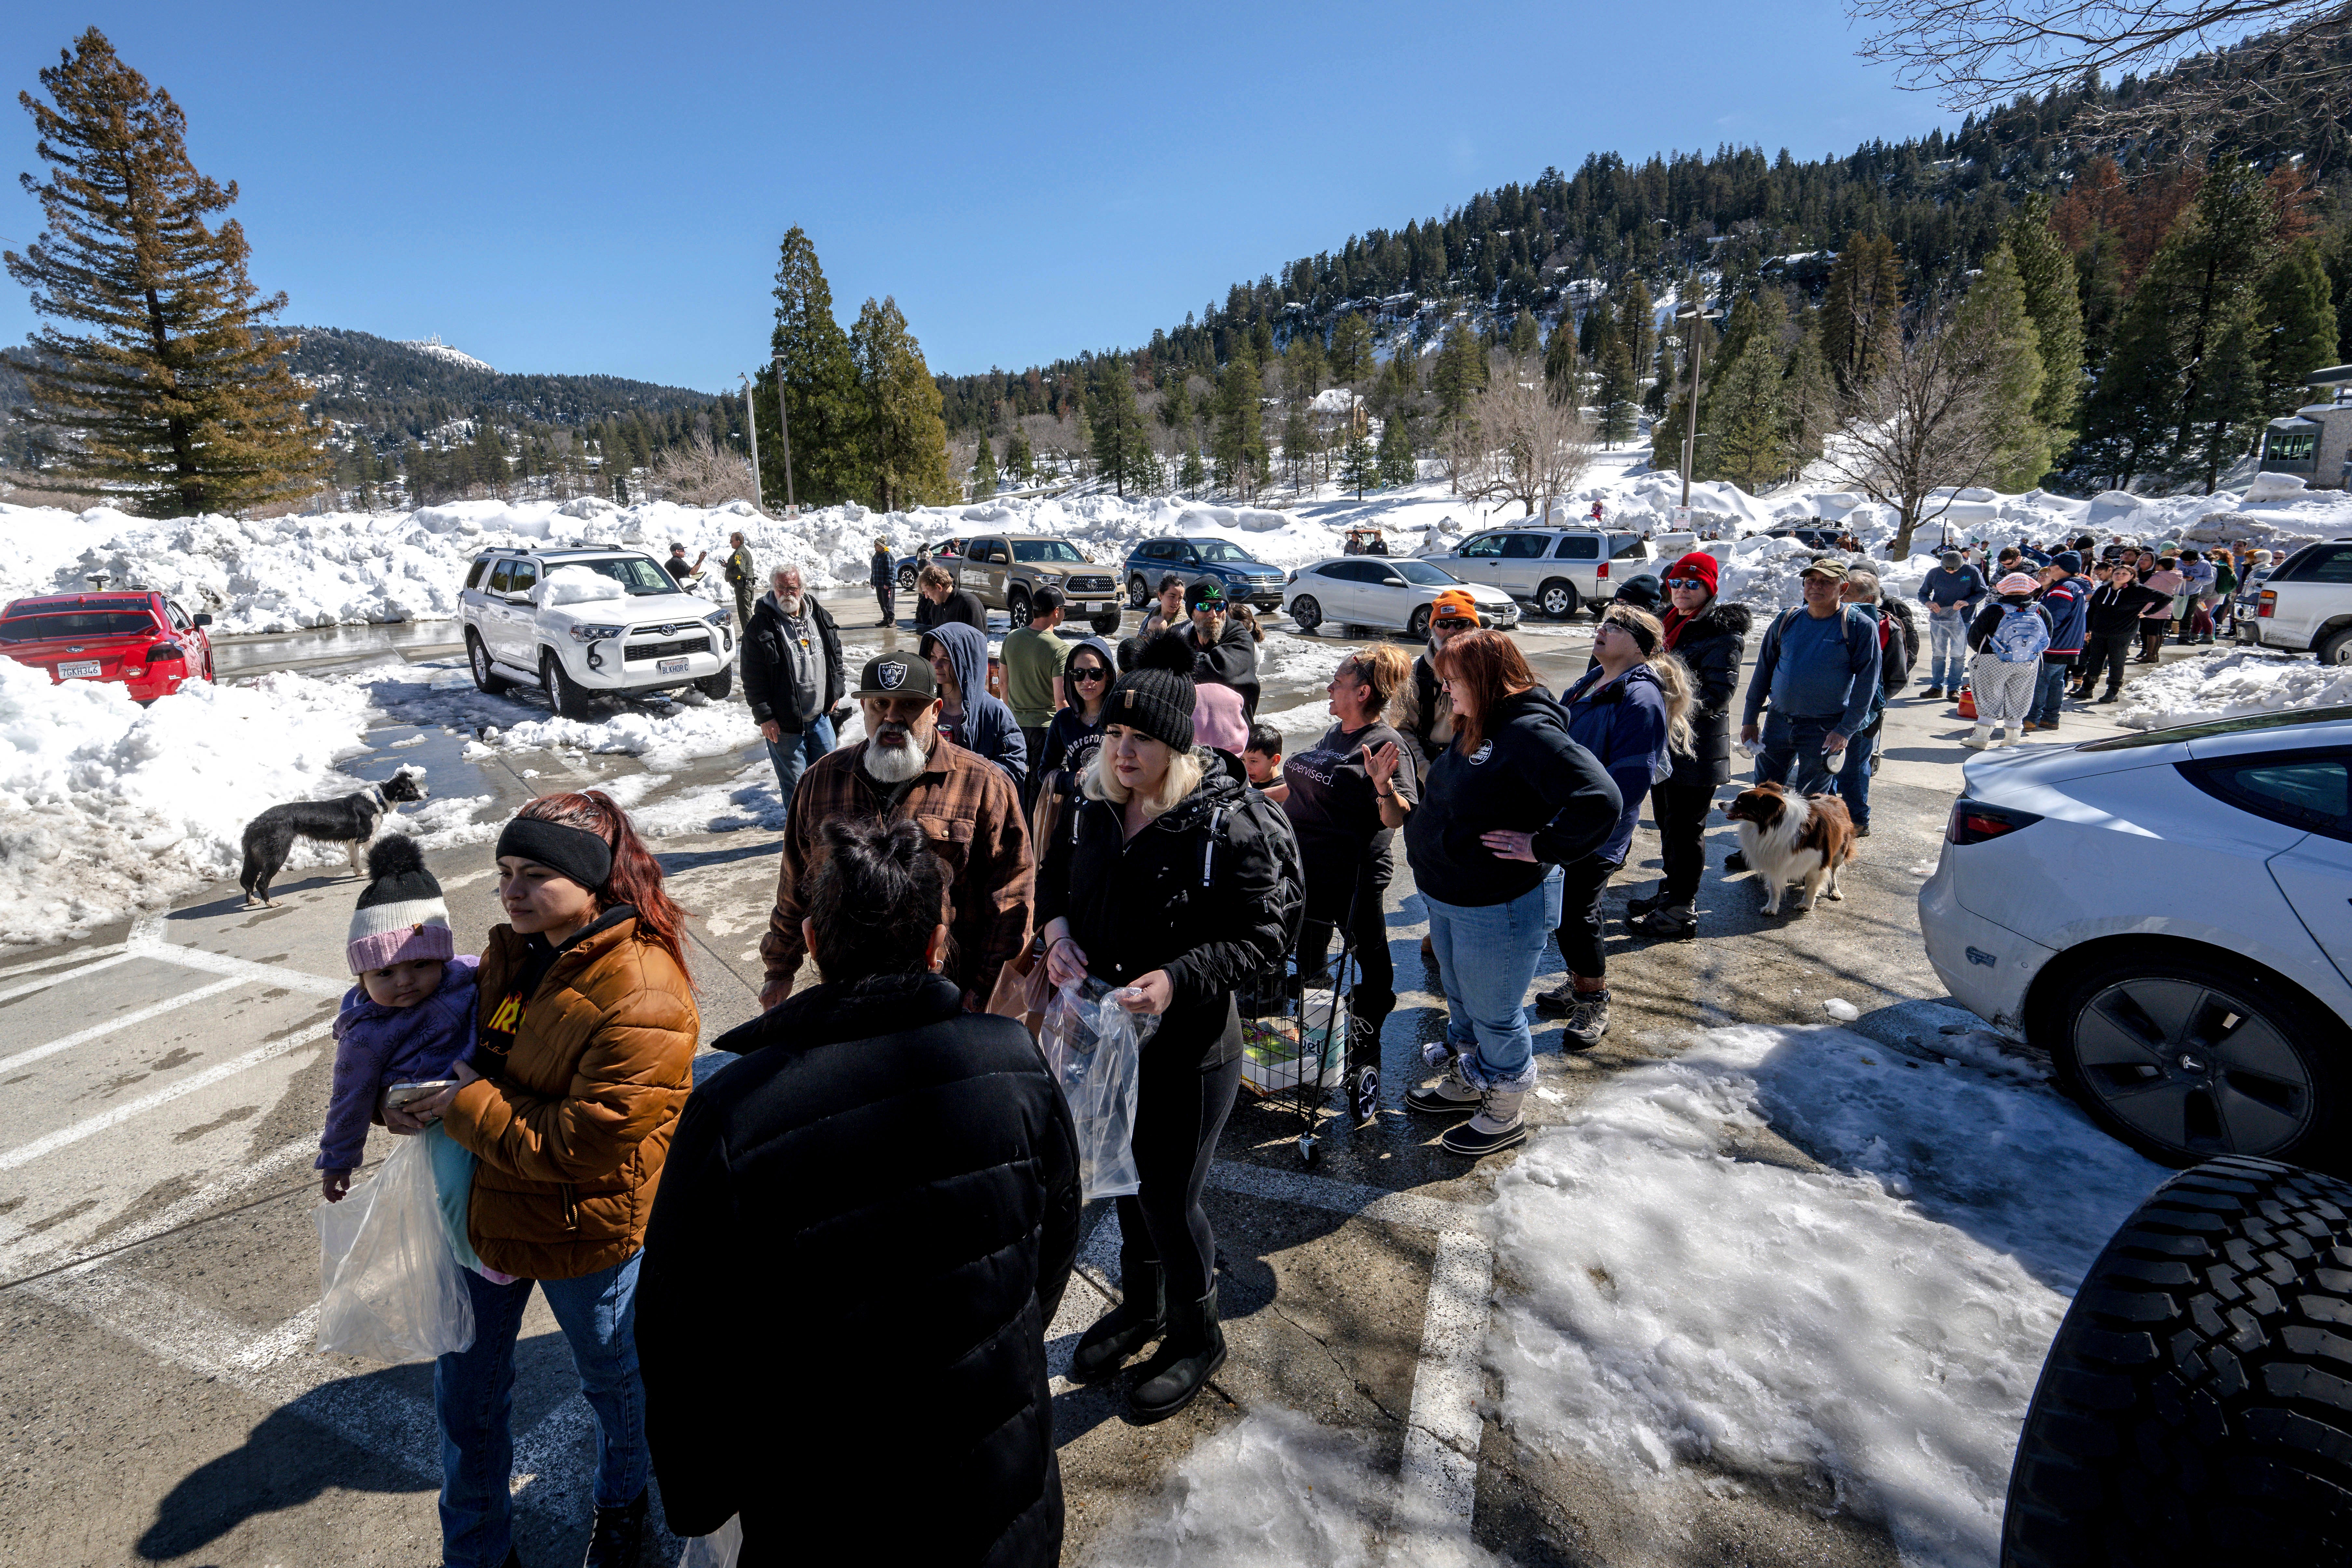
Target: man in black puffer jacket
(865,1224)
(1711,639)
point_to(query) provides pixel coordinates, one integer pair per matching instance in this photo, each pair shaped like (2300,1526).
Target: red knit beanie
(1698,564)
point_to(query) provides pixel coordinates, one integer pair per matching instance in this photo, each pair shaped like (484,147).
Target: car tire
(1139,593)
(1016,609)
(1558,598)
(906,579)
(1305,613)
(1107,624)
(1417,626)
(717,686)
(477,659)
(2195,1406)
(2185,1059)
(566,696)
(2335,647)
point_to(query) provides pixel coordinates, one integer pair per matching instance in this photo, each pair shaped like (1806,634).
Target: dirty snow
(2231,685)
(1692,1314)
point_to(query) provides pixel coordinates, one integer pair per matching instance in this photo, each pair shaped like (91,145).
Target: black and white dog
(351,822)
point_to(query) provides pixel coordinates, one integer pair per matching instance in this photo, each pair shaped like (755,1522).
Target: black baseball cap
(1204,591)
(891,675)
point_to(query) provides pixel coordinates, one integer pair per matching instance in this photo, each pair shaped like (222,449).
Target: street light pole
(751,428)
(1690,425)
(785,419)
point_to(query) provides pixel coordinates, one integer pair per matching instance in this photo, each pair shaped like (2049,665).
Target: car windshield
(2251,722)
(1218,550)
(1423,573)
(71,624)
(634,573)
(1027,550)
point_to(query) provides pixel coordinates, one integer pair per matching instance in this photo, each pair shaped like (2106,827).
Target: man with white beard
(792,675)
(966,805)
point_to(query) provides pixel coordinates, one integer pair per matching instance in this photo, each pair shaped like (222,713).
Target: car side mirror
(521,599)
(200,620)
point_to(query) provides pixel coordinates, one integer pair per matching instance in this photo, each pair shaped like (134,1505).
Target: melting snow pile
(106,807)
(2231,685)
(1876,1327)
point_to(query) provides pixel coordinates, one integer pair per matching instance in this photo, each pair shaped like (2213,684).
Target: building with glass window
(2314,441)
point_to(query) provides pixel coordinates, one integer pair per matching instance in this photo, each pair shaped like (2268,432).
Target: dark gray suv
(1233,568)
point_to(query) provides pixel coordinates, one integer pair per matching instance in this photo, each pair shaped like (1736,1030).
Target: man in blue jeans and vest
(1819,670)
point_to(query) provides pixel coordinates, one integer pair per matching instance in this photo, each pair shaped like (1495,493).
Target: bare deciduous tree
(1528,448)
(702,474)
(1932,421)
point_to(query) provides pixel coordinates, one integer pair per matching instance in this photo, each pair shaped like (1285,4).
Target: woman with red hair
(587,1031)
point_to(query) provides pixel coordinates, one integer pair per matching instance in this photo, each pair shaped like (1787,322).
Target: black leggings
(1582,886)
(2107,652)
(1367,928)
(1681,812)
(1179,1109)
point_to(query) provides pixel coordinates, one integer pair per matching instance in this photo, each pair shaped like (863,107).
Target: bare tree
(702,474)
(1530,449)
(2224,65)
(1932,421)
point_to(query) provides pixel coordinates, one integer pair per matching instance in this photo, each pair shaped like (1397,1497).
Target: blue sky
(599,187)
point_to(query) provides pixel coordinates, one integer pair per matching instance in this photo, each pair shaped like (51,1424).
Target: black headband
(580,854)
(1638,632)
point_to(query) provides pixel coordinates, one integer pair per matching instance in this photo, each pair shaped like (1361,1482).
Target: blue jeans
(2047,688)
(473,1397)
(1854,775)
(1795,745)
(793,753)
(1487,958)
(1947,651)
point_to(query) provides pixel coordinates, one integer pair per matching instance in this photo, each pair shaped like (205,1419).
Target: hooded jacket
(1526,774)
(571,1135)
(1232,662)
(952,1249)
(1137,905)
(1712,646)
(2115,610)
(1070,741)
(1625,725)
(986,728)
(771,655)
(376,1046)
(2068,601)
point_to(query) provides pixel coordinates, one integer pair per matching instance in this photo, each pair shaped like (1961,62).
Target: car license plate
(78,669)
(671,667)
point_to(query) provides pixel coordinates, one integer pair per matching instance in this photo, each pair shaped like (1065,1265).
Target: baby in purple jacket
(411,1018)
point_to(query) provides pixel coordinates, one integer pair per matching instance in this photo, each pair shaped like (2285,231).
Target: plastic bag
(390,1289)
(719,1549)
(1095,1048)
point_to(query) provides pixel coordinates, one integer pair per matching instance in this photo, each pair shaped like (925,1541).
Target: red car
(141,639)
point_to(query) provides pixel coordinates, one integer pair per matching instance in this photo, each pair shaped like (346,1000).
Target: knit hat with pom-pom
(401,918)
(1156,696)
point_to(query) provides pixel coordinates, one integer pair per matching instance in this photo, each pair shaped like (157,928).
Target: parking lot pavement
(158,1267)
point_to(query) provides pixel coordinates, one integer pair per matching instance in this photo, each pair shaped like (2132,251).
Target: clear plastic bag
(390,1287)
(719,1549)
(1095,1048)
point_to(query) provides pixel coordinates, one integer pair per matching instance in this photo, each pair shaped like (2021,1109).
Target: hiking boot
(1933,694)
(1497,1125)
(1449,1096)
(1182,1366)
(1861,830)
(2027,727)
(1138,1320)
(2049,724)
(1673,921)
(1559,999)
(1588,1023)
(1736,861)
(619,1538)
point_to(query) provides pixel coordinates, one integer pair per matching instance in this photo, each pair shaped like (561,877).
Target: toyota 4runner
(1005,571)
(589,621)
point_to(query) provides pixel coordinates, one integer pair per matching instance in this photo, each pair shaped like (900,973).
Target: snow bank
(1683,1309)
(2229,685)
(106,807)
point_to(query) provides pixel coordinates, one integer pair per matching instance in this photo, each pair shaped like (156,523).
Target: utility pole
(1690,426)
(751,428)
(785,419)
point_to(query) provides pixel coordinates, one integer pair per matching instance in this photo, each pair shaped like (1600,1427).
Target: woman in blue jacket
(1631,711)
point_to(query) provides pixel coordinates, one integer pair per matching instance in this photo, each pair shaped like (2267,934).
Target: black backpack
(1900,653)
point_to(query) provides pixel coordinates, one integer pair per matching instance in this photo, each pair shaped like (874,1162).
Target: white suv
(1555,569)
(2305,607)
(613,623)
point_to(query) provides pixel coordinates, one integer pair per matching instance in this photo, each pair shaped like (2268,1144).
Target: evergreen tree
(1350,358)
(1396,463)
(1192,475)
(2053,299)
(2004,334)
(1808,397)
(2296,325)
(823,399)
(1460,372)
(1018,461)
(1359,468)
(1240,446)
(1122,447)
(1559,362)
(179,401)
(2127,418)
(1297,438)
(1525,339)
(1744,416)
(1616,392)
(2099,284)
(1304,365)
(983,469)
(1634,321)
(1862,310)
(906,441)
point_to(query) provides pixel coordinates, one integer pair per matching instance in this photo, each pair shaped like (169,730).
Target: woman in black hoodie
(1711,639)
(762,1261)
(1166,879)
(1507,803)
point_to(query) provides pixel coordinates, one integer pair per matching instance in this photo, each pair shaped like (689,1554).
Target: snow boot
(1497,1125)
(1979,738)
(1185,1360)
(1586,1023)
(1450,1095)
(619,1538)
(1138,1320)
(1670,921)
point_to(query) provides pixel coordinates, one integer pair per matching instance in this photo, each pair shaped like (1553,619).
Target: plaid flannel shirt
(971,813)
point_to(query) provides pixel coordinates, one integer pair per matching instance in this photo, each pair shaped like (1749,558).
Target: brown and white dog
(1789,838)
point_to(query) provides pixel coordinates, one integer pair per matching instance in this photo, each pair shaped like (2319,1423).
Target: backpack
(2022,636)
(1899,647)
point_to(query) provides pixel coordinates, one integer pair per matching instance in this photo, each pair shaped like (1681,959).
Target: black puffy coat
(1712,648)
(767,667)
(863,1227)
(1137,905)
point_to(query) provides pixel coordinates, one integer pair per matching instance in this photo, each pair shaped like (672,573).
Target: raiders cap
(895,674)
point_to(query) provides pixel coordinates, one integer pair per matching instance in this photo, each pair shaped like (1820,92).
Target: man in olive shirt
(1033,657)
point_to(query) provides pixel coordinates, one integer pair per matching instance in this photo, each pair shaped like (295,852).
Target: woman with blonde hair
(1631,711)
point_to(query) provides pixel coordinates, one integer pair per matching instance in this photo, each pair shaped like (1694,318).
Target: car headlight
(720,617)
(594,633)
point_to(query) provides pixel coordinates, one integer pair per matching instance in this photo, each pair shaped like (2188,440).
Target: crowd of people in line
(1113,815)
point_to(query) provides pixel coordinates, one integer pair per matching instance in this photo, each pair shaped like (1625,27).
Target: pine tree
(179,400)
(1351,359)
(1304,365)
(823,399)
(1122,447)
(2003,333)
(1018,460)
(1192,475)
(2296,324)
(1559,361)
(1358,470)
(2053,299)
(1460,372)
(1862,310)
(1396,463)
(1525,339)
(1616,391)
(1635,314)
(1808,397)
(983,469)
(906,441)
(1240,444)
(1297,438)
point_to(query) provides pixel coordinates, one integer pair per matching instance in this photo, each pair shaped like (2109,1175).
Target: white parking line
(46,981)
(147,940)
(274,1166)
(25,1154)
(99,1031)
(1440,1476)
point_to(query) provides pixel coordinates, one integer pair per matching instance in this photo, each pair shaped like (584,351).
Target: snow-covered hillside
(441,351)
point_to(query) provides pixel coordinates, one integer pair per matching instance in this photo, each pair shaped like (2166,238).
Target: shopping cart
(1328,1035)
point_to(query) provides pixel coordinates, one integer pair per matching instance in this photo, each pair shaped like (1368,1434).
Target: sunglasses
(1088,672)
(1685,582)
(1451,623)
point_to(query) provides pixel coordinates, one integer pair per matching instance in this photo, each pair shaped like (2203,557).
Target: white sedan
(1390,594)
(2166,914)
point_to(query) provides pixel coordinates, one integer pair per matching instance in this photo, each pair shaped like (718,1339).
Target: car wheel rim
(482,663)
(2193,1069)
(1557,604)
